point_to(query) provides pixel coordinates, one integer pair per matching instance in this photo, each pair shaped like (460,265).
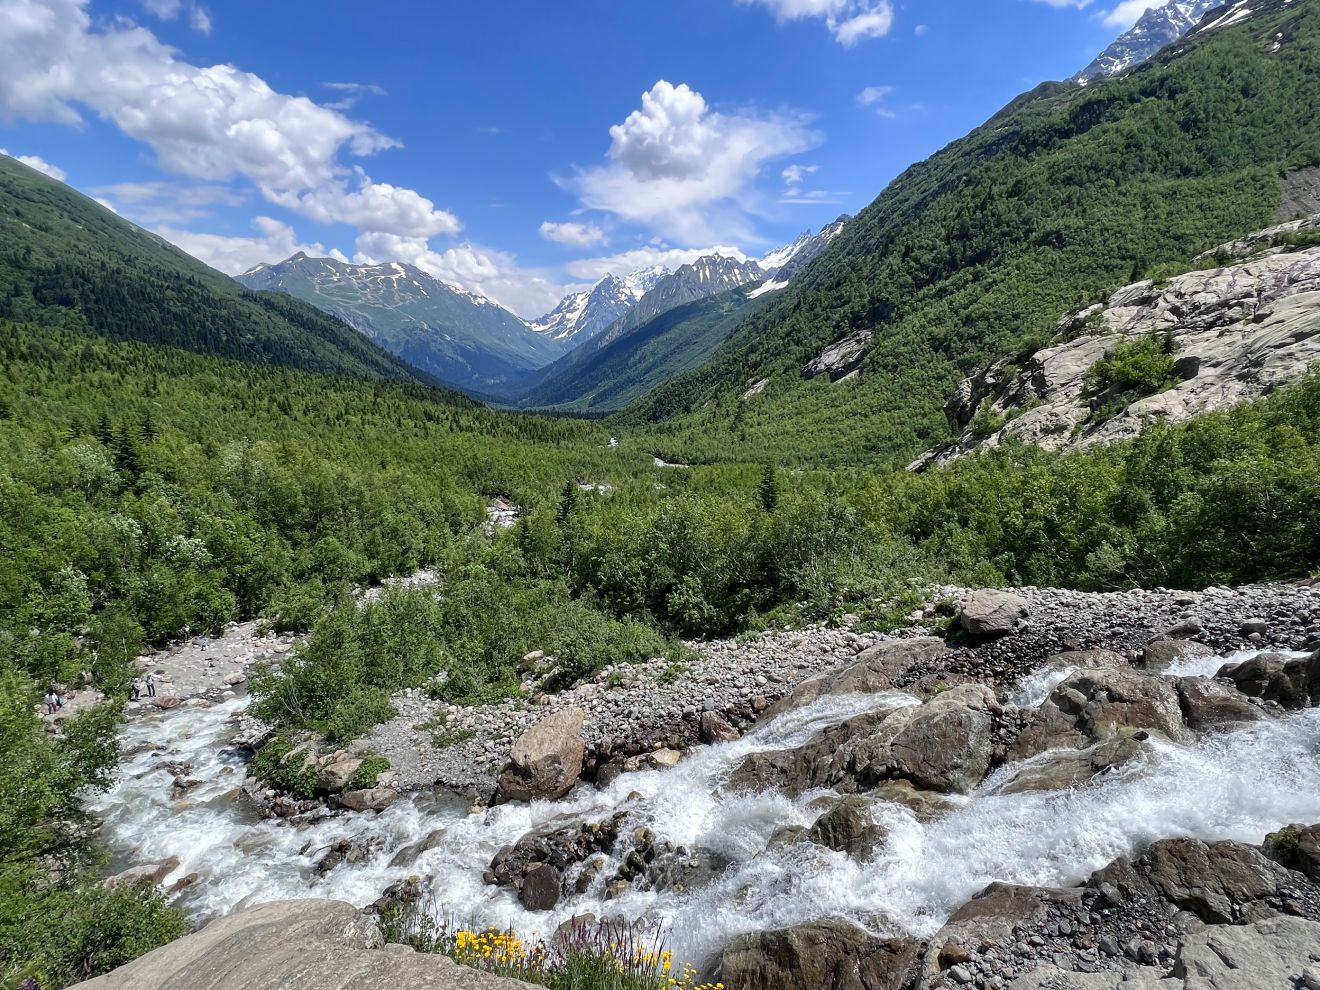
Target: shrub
(1143,365)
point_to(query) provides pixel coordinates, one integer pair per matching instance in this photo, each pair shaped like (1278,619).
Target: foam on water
(1239,784)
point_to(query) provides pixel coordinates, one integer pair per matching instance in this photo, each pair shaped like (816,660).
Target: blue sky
(517,148)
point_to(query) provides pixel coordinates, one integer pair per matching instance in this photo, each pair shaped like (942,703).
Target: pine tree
(768,489)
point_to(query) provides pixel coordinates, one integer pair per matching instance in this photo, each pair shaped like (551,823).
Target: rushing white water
(1238,784)
(1210,666)
(1036,686)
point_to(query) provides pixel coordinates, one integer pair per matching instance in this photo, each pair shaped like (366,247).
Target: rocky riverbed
(1031,789)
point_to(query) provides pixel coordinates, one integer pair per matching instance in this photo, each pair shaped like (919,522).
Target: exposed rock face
(847,827)
(822,955)
(1159,655)
(1240,332)
(546,761)
(991,612)
(1208,704)
(293,945)
(842,360)
(875,669)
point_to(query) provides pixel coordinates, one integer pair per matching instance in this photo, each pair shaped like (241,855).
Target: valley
(927,600)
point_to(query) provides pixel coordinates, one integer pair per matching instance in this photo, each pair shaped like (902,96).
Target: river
(1238,784)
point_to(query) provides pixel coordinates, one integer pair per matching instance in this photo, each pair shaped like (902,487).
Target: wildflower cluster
(581,956)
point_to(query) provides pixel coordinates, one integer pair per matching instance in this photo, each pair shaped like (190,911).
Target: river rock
(541,888)
(1158,655)
(876,669)
(1061,769)
(1219,882)
(991,612)
(336,776)
(546,761)
(371,799)
(1268,954)
(303,944)
(848,827)
(1296,847)
(715,728)
(1293,684)
(151,874)
(1092,705)
(821,955)
(1209,704)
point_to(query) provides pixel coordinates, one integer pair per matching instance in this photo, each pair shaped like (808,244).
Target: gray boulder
(715,728)
(293,945)
(1208,704)
(821,955)
(546,761)
(1266,955)
(541,888)
(1293,684)
(875,669)
(1159,655)
(370,799)
(848,827)
(336,776)
(1062,769)
(991,612)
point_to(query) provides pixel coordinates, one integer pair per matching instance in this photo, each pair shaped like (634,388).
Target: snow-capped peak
(1157,27)
(581,315)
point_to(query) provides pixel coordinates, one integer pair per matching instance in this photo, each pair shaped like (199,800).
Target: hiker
(151,685)
(135,690)
(52,702)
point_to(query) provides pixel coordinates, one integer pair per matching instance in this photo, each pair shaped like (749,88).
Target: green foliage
(287,764)
(768,489)
(58,922)
(1048,207)
(1138,365)
(368,774)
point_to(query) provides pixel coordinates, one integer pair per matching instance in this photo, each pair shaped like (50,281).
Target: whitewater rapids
(1238,785)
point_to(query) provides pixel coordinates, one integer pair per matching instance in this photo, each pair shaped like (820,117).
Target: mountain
(673,328)
(460,337)
(781,266)
(1157,28)
(582,315)
(67,261)
(1063,197)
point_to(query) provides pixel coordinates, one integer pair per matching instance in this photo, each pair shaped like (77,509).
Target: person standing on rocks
(135,690)
(52,702)
(151,685)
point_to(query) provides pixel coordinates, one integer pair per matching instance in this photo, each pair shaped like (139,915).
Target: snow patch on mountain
(1158,27)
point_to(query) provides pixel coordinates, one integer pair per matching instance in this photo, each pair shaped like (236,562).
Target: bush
(1141,365)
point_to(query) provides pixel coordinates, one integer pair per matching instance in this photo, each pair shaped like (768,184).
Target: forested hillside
(975,253)
(628,368)
(68,262)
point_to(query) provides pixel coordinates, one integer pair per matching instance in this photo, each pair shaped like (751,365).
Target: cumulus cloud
(686,171)
(1122,16)
(572,234)
(850,21)
(40,164)
(169,10)
(495,274)
(592,269)
(273,240)
(209,123)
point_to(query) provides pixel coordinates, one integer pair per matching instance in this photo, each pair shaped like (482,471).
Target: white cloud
(592,269)
(40,164)
(874,97)
(850,21)
(495,274)
(168,10)
(794,175)
(687,171)
(352,93)
(572,234)
(921,30)
(1128,12)
(273,241)
(168,203)
(209,123)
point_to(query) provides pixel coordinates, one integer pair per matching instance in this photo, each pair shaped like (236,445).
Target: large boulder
(1062,769)
(1208,704)
(1269,954)
(876,669)
(1219,882)
(541,888)
(546,761)
(1093,705)
(991,612)
(148,874)
(848,827)
(1161,654)
(821,955)
(370,799)
(293,945)
(336,776)
(945,745)
(1293,684)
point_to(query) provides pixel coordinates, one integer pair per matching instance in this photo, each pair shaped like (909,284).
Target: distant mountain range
(1157,28)
(460,337)
(582,315)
